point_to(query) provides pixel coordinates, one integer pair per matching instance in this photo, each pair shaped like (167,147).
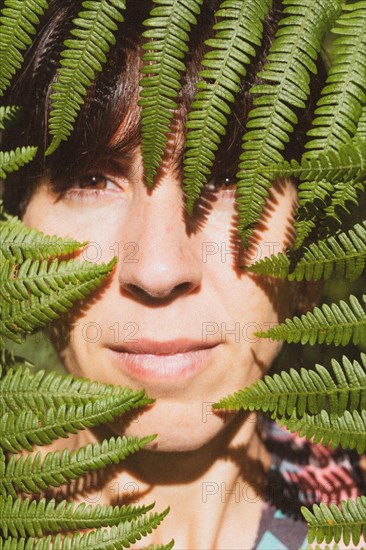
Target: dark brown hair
(112,100)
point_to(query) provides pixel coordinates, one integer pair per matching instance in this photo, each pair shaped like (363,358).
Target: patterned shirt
(302,474)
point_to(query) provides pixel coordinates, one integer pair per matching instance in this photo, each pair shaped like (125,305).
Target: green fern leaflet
(347,430)
(336,324)
(343,255)
(21,431)
(8,114)
(31,474)
(22,389)
(118,537)
(272,119)
(30,518)
(340,106)
(169,26)
(239,29)
(305,391)
(48,303)
(18,20)
(333,523)
(10,161)
(82,60)
(19,242)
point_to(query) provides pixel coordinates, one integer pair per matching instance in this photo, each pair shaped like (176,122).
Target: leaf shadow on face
(260,246)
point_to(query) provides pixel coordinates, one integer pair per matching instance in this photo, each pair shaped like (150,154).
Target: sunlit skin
(177,277)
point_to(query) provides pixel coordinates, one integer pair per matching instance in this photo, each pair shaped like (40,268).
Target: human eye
(90,186)
(224,184)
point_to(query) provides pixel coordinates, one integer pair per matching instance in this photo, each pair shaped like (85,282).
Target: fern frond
(169,26)
(313,199)
(325,215)
(21,317)
(361,127)
(168,546)
(305,391)
(348,163)
(83,58)
(20,389)
(328,183)
(239,30)
(347,430)
(18,20)
(118,537)
(19,432)
(31,543)
(336,324)
(8,115)
(19,242)
(42,278)
(332,523)
(31,474)
(271,121)
(10,161)
(21,518)
(8,360)
(345,195)
(340,106)
(343,255)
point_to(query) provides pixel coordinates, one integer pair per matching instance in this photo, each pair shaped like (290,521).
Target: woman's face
(177,316)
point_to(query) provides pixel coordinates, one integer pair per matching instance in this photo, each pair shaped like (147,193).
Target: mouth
(159,361)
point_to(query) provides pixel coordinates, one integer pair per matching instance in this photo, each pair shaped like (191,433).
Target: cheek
(230,305)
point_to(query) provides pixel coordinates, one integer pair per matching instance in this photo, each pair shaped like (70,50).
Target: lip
(158,361)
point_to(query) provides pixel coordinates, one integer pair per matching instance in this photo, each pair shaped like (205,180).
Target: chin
(179,428)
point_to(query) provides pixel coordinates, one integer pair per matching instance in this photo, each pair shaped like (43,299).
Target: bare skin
(186,283)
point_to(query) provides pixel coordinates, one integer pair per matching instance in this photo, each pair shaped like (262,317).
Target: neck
(209,490)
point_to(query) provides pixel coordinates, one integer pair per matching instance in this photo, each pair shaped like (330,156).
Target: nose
(166,263)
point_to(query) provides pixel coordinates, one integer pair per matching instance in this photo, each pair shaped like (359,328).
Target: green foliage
(19,242)
(117,537)
(25,429)
(31,474)
(336,117)
(83,57)
(239,29)
(40,281)
(361,126)
(333,523)
(69,544)
(10,161)
(38,286)
(286,78)
(347,430)
(342,255)
(18,22)
(346,164)
(22,518)
(336,324)
(29,303)
(340,106)
(8,115)
(305,391)
(330,183)
(20,389)
(169,27)
(8,360)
